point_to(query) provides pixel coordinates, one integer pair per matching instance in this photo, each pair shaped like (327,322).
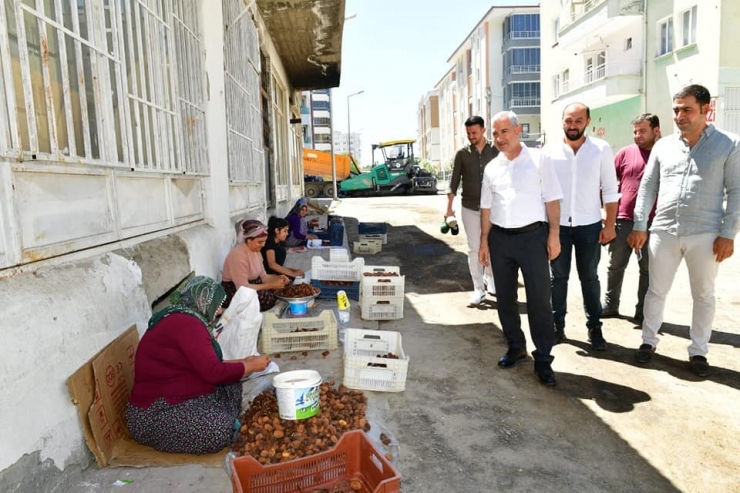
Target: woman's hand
(255,363)
(298,272)
(276,282)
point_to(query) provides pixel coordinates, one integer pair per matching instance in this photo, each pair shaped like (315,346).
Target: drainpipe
(644,55)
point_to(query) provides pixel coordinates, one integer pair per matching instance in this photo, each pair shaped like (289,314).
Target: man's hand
(636,240)
(553,245)
(483,255)
(723,248)
(607,234)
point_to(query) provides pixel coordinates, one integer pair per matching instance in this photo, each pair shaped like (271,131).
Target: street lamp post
(349,133)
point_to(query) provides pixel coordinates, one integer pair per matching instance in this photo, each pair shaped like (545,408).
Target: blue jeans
(585,240)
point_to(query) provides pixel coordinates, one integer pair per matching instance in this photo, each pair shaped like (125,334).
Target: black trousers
(526,252)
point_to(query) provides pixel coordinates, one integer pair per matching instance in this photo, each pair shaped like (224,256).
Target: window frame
(668,47)
(692,31)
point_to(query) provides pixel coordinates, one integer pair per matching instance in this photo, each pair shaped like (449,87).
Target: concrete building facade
(131,140)
(428,117)
(496,68)
(316,119)
(624,57)
(344,146)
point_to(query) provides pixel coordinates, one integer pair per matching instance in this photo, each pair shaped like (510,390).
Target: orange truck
(317,171)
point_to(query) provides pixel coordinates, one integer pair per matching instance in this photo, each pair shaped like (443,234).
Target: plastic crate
(381,286)
(278,334)
(372,228)
(381,307)
(338,255)
(326,270)
(367,247)
(353,458)
(336,234)
(383,237)
(362,348)
(330,292)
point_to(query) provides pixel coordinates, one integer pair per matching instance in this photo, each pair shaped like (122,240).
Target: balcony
(524,102)
(516,39)
(521,73)
(615,78)
(524,69)
(598,19)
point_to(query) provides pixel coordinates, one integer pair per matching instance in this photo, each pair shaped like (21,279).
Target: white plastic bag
(240,325)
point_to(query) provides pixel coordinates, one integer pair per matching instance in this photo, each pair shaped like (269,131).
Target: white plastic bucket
(297,394)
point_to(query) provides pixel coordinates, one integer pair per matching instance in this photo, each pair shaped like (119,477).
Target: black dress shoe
(546,376)
(512,357)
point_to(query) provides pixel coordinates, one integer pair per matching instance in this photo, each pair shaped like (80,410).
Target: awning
(308,37)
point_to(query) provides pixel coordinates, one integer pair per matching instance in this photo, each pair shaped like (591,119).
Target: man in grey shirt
(689,173)
(470,162)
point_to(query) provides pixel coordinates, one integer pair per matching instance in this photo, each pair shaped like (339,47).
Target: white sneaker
(477,296)
(490,286)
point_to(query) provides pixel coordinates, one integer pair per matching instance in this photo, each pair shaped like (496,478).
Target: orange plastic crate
(354,457)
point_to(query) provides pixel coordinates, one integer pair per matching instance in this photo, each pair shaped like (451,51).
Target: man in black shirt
(470,162)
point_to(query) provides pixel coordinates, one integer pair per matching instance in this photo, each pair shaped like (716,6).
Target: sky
(395,51)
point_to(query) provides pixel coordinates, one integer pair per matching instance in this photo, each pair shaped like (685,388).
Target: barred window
(116,83)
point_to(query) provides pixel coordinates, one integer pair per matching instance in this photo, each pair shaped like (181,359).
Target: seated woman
(298,225)
(274,253)
(185,398)
(244,267)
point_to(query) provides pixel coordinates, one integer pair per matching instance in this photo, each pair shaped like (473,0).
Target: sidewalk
(464,425)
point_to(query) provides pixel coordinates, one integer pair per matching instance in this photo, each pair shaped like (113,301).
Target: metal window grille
(97,81)
(191,83)
(243,106)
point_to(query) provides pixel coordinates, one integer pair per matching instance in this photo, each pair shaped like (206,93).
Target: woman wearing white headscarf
(244,267)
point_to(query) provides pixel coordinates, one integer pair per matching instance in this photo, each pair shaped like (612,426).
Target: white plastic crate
(382,286)
(324,270)
(367,247)
(338,255)
(382,237)
(280,334)
(365,370)
(381,308)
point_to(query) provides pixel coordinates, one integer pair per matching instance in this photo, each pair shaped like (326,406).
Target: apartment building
(133,135)
(623,58)
(342,145)
(316,119)
(497,67)
(428,138)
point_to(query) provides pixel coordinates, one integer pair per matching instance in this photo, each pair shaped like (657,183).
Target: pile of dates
(301,290)
(271,440)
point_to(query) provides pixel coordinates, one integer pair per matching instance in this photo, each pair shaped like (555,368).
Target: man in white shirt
(518,196)
(585,169)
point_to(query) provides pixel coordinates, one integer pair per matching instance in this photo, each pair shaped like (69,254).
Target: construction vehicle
(399,173)
(317,176)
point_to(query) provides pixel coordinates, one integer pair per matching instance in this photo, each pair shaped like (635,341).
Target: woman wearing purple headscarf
(244,267)
(298,225)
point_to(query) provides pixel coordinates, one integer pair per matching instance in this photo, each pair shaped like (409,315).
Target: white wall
(58,313)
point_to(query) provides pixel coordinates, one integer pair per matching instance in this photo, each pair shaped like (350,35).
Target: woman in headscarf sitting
(298,225)
(244,267)
(185,398)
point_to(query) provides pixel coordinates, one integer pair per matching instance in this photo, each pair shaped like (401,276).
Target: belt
(517,231)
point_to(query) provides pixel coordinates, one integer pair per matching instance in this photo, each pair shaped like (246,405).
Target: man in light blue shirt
(689,173)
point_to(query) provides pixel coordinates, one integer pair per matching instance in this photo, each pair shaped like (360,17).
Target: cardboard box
(100,389)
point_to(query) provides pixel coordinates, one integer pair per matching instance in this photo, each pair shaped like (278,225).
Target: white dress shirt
(583,177)
(516,191)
